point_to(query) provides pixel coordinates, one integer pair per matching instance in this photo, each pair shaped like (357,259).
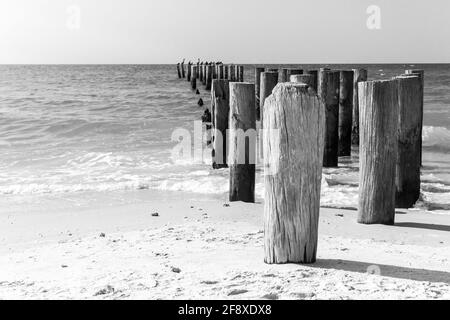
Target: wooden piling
(183,74)
(267,83)
(378,124)
(241,73)
(232,74)
(294,120)
(258,72)
(329,95)
(225,72)
(242,123)
(189,70)
(283,77)
(179,71)
(220,103)
(221,73)
(194,78)
(359,75)
(303,78)
(315,75)
(200,73)
(208,77)
(345,113)
(421,74)
(291,72)
(409,137)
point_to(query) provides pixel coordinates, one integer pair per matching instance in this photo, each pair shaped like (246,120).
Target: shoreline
(111,246)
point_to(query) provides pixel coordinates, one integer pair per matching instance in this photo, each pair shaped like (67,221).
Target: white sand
(53,248)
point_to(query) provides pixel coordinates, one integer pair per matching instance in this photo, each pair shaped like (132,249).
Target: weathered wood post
(232,73)
(294,121)
(189,70)
(378,124)
(242,159)
(179,71)
(225,72)
(197,74)
(303,78)
(194,78)
(258,72)
(345,113)
(282,77)
(359,75)
(204,73)
(292,72)
(200,73)
(220,96)
(214,71)
(272,70)
(221,73)
(241,73)
(269,80)
(208,77)
(315,75)
(409,137)
(421,74)
(183,74)
(329,96)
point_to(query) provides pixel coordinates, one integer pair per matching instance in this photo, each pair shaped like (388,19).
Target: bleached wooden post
(220,96)
(258,72)
(409,137)
(345,113)
(208,77)
(293,151)
(359,75)
(315,75)
(378,124)
(303,78)
(242,159)
(194,78)
(421,74)
(329,95)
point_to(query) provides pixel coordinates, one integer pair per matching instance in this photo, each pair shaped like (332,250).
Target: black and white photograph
(243,150)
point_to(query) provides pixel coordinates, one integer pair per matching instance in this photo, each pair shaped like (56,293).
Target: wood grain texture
(269,80)
(345,113)
(293,153)
(242,140)
(307,79)
(409,137)
(378,124)
(329,96)
(258,72)
(421,74)
(359,75)
(220,103)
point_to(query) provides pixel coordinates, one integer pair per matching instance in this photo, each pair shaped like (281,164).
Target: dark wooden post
(258,72)
(200,73)
(241,73)
(378,124)
(194,78)
(315,75)
(303,78)
(208,77)
(178,70)
(189,70)
(232,73)
(294,120)
(359,75)
(421,74)
(221,73)
(242,141)
(183,74)
(283,75)
(329,95)
(225,72)
(291,72)
(409,137)
(220,96)
(345,113)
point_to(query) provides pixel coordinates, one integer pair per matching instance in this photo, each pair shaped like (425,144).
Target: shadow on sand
(386,270)
(437,227)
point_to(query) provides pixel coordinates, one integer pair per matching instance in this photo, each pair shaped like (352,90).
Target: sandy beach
(163,245)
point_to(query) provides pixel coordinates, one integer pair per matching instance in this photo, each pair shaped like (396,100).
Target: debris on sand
(106,290)
(176,270)
(155,214)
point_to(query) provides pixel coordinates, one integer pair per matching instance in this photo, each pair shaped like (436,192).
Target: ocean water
(69,129)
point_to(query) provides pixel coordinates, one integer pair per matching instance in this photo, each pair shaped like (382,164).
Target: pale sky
(239,31)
